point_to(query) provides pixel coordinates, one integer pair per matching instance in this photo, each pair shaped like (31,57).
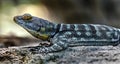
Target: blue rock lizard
(62,36)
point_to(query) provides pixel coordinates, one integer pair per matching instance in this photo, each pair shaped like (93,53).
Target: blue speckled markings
(63,36)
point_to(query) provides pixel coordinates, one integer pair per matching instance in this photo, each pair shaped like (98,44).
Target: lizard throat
(43,37)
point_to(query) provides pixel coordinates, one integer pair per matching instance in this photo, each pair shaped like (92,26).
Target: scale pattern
(90,34)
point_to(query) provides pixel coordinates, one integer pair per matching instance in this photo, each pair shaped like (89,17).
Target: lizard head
(32,24)
(28,22)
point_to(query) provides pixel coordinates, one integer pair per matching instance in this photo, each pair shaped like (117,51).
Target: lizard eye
(27,17)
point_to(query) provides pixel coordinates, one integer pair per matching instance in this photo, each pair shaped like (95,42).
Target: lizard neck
(48,31)
(56,29)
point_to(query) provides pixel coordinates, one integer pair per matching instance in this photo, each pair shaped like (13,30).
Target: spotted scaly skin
(63,36)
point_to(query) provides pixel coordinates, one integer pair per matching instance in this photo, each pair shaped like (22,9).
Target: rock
(72,55)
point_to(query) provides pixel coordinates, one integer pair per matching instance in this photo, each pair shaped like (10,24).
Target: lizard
(62,36)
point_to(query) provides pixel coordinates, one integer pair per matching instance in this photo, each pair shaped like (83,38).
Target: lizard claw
(46,44)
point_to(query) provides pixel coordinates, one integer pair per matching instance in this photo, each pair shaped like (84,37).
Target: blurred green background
(59,11)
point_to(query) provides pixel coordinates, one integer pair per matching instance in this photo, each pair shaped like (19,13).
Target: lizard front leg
(58,45)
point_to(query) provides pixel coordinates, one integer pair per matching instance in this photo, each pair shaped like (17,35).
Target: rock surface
(72,55)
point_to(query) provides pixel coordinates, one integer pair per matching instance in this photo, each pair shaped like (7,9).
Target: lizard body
(63,36)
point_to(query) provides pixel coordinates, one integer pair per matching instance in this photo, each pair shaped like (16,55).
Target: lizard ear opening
(27,16)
